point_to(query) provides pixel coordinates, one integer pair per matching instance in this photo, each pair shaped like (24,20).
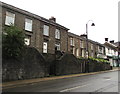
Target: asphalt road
(103,82)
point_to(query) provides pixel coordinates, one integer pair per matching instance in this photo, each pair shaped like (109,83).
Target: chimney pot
(112,41)
(83,35)
(106,39)
(52,19)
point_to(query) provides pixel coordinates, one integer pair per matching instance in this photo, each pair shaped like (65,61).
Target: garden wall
(30,65)
(69,64)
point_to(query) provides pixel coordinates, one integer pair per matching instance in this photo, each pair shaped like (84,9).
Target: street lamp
(87,48)
(118,54)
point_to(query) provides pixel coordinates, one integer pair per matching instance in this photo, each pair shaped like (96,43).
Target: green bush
(12,42)
(98,59)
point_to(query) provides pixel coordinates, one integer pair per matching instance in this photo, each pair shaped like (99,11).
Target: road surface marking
(68,89)
(107,79)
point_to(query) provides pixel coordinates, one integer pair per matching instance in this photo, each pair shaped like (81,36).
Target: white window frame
(45,47)
(46,30)
(77,52)
(92,54)
(83,53)
(28,24)
(72,43)
(27,41)
(10,18)
(81,44)
(92,47)
(108,50)
(100,49)
(73,51)
(57,34)
(58,46)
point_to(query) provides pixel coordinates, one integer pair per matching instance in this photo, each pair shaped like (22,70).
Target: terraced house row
(47,36)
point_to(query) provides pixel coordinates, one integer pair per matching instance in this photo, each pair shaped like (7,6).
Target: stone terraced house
(47,36)
(43,34)
(111,51)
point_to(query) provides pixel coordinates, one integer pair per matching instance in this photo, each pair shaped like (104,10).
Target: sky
(75,14)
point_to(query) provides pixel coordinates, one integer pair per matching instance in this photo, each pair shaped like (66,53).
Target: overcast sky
(74,14)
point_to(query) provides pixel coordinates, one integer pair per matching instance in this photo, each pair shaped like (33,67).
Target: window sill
(29,31)
(46,35)
(72,45)
(57,39)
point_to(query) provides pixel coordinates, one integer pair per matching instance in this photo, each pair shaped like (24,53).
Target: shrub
(12,42)
(99,59)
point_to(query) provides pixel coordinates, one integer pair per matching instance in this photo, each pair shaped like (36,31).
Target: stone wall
(30,65)
(94,66)
(49,62)
(69,64)
(33,64)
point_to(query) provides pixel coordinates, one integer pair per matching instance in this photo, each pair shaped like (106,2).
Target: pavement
(31,81)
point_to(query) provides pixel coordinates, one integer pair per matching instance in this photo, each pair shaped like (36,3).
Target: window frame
(45,50)
(46,29)
(81,44)
(73,51)
(72,43)
(8,18)
(57,34)
(77,52)
(92,47)
(28,38)
(28,25)
(58,46)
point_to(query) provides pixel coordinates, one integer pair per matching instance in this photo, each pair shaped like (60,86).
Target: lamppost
(118,54)
(87,48)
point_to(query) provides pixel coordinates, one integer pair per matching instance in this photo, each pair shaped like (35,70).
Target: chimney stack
(83,36)
(52,19)
(112,41)
(106,39)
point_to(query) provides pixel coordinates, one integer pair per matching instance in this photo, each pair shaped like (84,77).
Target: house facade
(111,52)
(96,50)
(77,45)
(74,44)
(100,51)
(43,34)
(47,36)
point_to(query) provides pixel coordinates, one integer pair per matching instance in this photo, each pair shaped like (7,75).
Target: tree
(12,42)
